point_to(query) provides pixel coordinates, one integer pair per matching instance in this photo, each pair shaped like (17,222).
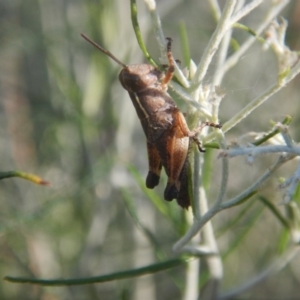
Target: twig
(275,267)
(210,50)
(199,223)
(261,150)
(232,60)
(245,10)
(256,102)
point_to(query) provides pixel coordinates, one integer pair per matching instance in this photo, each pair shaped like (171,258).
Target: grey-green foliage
(65,116)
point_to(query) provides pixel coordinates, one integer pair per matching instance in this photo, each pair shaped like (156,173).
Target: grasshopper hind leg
(155,166)
(152,180)
(171,192)
(180,189)
(183,198)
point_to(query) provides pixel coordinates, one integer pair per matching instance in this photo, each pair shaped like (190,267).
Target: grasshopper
(167,133)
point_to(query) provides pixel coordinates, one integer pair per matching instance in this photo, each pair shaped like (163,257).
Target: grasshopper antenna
(103,50)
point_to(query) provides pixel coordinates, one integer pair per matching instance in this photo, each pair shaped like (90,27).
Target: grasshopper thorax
(137,78)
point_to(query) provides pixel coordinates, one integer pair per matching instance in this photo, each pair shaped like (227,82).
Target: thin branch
(186,97)
(291,184)
(224,180)
(199,223)
(161,40)
(200,251)
(275,267)
(255,186)
(212,47)
(245,10)
(192,278)
(261,150)
(214,262)
(156,27)
(215,8)
(232,60)
(196,181)
(287,120)
(218,76)
(194,229)
(257,102)
(136,28)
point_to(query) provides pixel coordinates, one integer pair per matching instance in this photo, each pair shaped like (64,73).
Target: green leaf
(28,176)
(150,269)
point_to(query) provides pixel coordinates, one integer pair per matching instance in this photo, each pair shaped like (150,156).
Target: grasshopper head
(137,78)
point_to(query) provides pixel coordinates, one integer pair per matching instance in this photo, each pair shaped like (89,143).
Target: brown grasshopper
(168,135)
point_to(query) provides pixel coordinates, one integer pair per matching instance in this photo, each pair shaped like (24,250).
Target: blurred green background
(65,117)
